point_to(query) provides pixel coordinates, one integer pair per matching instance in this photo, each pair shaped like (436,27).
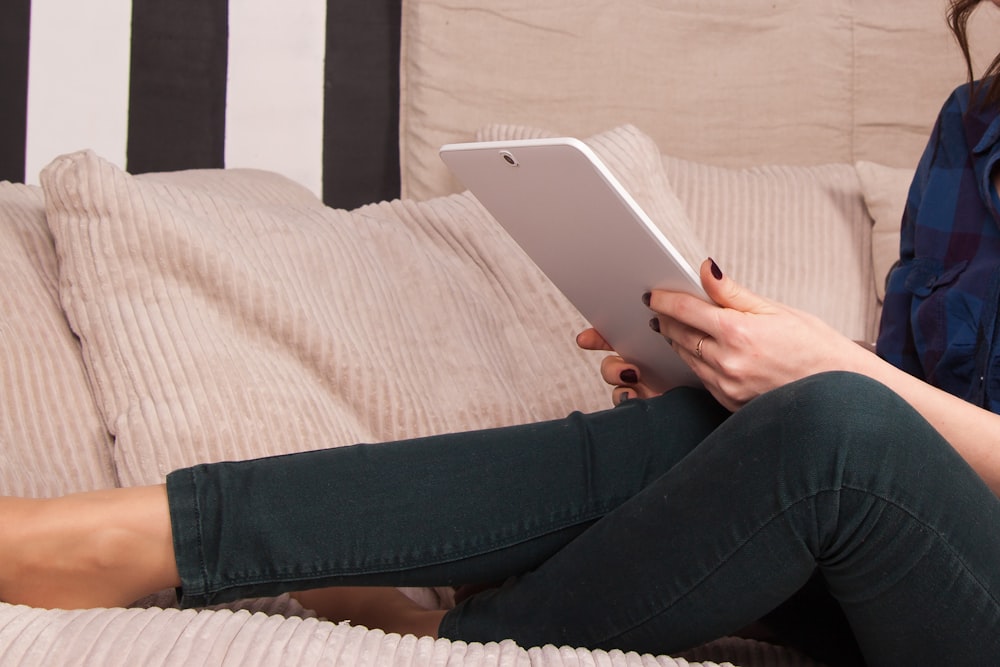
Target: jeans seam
(662,610)
(937,534)
(233,582)
(200,537)
(649,617)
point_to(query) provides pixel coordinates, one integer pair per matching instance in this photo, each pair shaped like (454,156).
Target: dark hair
(985,93)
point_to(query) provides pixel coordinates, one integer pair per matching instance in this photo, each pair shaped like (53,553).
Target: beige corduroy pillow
(220,326)
(885,190)
(52,439)
(800,235)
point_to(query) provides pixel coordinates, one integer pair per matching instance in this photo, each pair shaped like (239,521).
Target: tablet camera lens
(509,158)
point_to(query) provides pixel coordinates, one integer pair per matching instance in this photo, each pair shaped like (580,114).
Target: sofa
(152,321)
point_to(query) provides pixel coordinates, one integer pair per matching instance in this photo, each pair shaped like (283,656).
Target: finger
(681,317)
(615,371)
(727,292)
(623,394)
(590,339)
(680,335)
(625,377)
(727,295)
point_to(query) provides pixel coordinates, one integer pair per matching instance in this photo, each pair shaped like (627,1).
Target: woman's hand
(743,345)
(624,377)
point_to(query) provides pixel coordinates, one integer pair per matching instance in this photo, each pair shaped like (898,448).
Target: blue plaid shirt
(939,321)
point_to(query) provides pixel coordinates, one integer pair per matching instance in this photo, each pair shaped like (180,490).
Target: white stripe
(274,110)
(78,80)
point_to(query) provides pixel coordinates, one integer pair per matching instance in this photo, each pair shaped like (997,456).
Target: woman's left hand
(623,376)
(744,345)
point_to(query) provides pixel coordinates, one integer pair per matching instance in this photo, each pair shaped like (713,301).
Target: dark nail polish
(654,324)
(716,271)
(647,298)
(629,376)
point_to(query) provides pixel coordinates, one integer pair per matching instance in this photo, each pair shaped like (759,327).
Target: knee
(845,417)
(838,400)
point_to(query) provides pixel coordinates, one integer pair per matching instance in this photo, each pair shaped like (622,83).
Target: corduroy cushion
(800,235)
(52,439)
(216,326)
(885,190)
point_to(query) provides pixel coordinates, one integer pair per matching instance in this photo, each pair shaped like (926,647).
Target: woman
(841,487)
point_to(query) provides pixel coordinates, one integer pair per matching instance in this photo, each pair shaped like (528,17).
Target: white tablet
(588,235)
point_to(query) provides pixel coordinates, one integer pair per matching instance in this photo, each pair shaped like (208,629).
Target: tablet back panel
(587,234)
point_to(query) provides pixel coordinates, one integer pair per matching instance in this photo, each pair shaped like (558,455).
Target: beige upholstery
(217,325)
(722,82)
(150,322)
(885,189)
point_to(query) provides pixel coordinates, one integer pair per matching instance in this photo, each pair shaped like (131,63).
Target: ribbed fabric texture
(885,190)
(230,314)
(174,638)
(800,235)
(220,326)
(52,439)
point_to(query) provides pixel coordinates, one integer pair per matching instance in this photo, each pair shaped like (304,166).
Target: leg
(454,509)
(813,622)
(106,548)
(834,473)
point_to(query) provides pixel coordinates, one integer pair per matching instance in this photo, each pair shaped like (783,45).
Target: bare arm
(974,432)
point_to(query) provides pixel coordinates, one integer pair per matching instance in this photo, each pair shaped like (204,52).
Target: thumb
(728,293)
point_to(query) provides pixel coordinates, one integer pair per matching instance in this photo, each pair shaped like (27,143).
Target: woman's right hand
(624,377)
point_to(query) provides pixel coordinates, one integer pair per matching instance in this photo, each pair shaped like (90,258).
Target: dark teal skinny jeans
(653,527)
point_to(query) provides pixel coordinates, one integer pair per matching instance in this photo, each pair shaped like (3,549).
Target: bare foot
(383,608)
(99,549)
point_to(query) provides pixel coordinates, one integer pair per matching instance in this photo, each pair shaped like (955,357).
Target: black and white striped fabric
(307,88)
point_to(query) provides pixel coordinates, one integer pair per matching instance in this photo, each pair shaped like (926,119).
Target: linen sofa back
(727,82)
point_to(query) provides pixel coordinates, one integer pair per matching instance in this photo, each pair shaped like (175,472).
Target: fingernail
(654,324)
(629,376)
(647,298)
(625,396)
(716,271)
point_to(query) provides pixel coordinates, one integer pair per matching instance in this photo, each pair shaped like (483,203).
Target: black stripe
(177,96)
(15,29)
(361,106)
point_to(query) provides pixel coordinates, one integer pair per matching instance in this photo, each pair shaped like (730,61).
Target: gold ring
(697,348)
